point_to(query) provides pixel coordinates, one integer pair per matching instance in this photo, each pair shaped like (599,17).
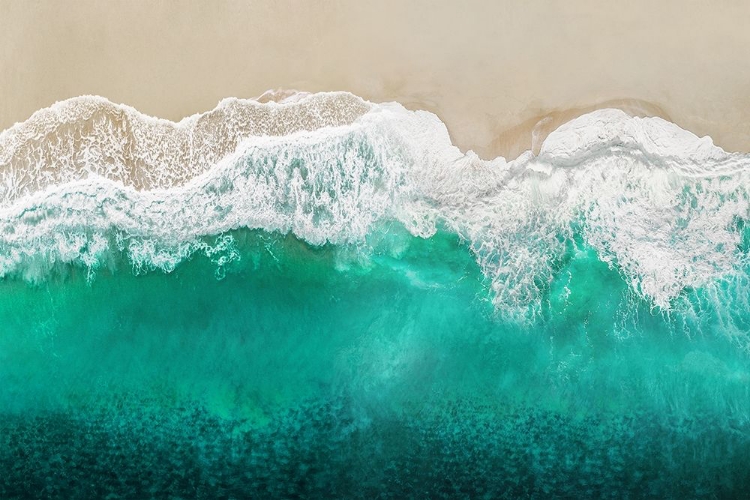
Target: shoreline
(481,67)
(509,144)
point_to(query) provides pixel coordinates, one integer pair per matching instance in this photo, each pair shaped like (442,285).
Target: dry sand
(490,69)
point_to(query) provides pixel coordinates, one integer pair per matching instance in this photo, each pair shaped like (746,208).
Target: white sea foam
(656,201)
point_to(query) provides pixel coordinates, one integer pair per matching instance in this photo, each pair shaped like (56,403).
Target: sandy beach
(483,66)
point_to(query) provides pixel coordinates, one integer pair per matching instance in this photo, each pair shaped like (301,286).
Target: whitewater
(330,283)
(661,204)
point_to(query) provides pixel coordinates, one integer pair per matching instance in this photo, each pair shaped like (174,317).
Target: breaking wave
(85,178)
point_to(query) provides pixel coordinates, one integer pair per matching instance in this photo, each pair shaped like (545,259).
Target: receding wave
(87,177)
(89,135)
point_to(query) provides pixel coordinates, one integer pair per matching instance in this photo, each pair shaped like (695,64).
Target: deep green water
(298,371)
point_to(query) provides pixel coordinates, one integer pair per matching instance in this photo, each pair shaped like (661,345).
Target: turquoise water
(354,308)
(287,370)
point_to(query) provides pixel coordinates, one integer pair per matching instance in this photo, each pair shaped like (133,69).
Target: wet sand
(501,74)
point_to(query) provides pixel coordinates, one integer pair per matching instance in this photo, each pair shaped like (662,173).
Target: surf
(86,177)
(325,281)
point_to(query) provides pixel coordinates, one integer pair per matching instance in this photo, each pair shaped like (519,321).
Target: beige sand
(491,69)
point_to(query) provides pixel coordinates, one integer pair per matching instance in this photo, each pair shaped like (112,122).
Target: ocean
(324,298)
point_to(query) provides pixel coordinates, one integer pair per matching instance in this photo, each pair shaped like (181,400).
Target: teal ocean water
(359,310)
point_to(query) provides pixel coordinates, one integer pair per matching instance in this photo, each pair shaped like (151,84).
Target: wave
(87,177)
